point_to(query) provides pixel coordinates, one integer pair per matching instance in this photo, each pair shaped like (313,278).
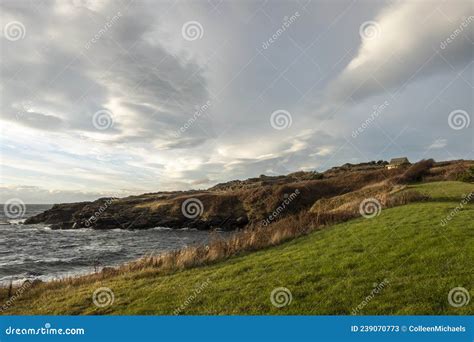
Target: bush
(467,176)
(316,175)
(415,172)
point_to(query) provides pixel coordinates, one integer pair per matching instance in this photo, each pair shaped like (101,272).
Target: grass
(330,271)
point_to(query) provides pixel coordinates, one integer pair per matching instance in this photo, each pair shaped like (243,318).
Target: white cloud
(404,48)
(439,143)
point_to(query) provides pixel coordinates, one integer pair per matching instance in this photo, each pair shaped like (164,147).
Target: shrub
(415,172)
(467,176)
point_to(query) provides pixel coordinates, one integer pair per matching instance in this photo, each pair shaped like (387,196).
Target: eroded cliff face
(232,205)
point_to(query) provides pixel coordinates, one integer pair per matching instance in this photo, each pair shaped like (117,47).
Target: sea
(29,252)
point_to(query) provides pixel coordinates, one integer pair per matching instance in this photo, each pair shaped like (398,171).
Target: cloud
(80,61)
(39,195)
(203,181)
(39,121)
(402,44)
(439,143)
(130,61)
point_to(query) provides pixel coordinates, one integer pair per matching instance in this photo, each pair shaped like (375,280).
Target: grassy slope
(328,272)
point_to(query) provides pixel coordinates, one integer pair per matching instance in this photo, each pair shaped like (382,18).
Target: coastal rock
(228,206)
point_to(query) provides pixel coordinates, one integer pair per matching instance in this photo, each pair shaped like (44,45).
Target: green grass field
(331,271)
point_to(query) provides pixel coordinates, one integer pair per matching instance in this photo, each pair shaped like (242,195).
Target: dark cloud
(41,121)
(128,59)
(69,69)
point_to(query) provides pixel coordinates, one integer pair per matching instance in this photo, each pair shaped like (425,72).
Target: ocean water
(37,252)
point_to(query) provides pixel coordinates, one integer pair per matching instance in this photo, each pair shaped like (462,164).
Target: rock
(232,205)
(59,213)
(242,220)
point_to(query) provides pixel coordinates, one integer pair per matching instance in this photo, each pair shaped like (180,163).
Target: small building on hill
(398,162)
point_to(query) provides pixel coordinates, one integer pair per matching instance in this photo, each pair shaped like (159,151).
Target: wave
(161,228)
(38,252)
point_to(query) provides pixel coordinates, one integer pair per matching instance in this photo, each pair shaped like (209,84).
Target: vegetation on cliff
(239,204)
(407,253)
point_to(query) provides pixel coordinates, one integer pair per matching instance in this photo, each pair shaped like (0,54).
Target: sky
(121,97)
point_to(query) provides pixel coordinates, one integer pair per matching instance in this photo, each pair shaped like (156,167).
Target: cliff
(231,205)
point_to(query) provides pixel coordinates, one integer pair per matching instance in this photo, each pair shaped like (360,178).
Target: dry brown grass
(289,227)
(403,197)
(256,237)
(347,201)
(387,195)
(415,172)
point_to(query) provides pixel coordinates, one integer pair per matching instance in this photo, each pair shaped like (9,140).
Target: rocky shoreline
(113,213)
(232,205)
